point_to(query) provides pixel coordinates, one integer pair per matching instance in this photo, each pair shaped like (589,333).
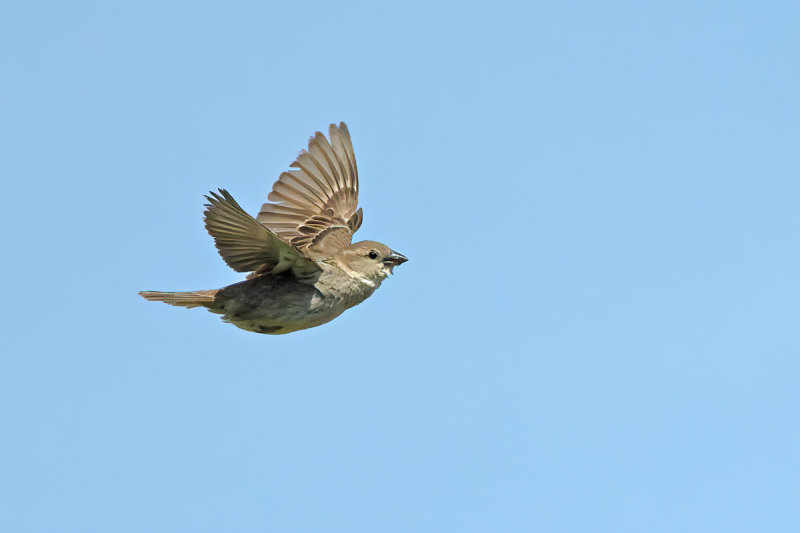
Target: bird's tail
(181,299)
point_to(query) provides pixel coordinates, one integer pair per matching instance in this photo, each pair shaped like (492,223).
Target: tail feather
(182,299)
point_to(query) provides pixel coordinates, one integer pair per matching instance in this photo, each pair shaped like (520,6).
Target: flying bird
(303,268)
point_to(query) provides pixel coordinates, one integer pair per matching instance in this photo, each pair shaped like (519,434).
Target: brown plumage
(304,271)
(181,299)
(316,205)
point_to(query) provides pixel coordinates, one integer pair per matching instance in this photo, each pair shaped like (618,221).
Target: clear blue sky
(597,329)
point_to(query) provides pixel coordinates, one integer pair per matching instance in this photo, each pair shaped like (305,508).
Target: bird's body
(304,271)
(283,304)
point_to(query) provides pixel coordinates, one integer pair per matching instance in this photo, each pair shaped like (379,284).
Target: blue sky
(596,330)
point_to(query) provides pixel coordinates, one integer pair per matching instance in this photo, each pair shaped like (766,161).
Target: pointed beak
(394,259)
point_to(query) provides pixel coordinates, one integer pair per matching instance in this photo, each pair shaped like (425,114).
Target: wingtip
(340,127)
(222,195)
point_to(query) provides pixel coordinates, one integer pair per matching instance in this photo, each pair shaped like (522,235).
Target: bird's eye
(373,254)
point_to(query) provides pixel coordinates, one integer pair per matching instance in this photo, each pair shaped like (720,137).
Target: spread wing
(315,205)
(246,245)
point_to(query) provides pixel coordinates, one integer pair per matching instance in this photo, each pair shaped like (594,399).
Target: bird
(303,268)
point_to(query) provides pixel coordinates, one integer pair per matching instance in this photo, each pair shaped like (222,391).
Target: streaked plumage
(303,269)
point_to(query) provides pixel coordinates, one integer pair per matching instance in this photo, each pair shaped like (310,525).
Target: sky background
(597,329)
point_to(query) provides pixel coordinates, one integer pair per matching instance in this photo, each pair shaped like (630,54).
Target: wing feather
(246,245)
(314,206)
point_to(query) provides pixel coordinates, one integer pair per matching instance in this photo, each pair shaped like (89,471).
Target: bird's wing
(315,205)
(246,245)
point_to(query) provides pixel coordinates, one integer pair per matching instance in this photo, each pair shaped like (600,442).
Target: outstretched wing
(246,245)
(315,205)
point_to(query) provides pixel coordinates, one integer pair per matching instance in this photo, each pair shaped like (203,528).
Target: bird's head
(372,260)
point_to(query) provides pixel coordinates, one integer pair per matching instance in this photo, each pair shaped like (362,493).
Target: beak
(394,259)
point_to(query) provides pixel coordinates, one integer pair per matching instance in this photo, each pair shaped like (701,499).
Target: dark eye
(373,254)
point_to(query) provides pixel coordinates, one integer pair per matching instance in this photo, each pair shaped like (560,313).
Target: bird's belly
(278,305)
(276,316)
(285,324)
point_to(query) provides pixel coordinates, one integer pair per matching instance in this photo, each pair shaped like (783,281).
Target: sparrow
(303,268)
